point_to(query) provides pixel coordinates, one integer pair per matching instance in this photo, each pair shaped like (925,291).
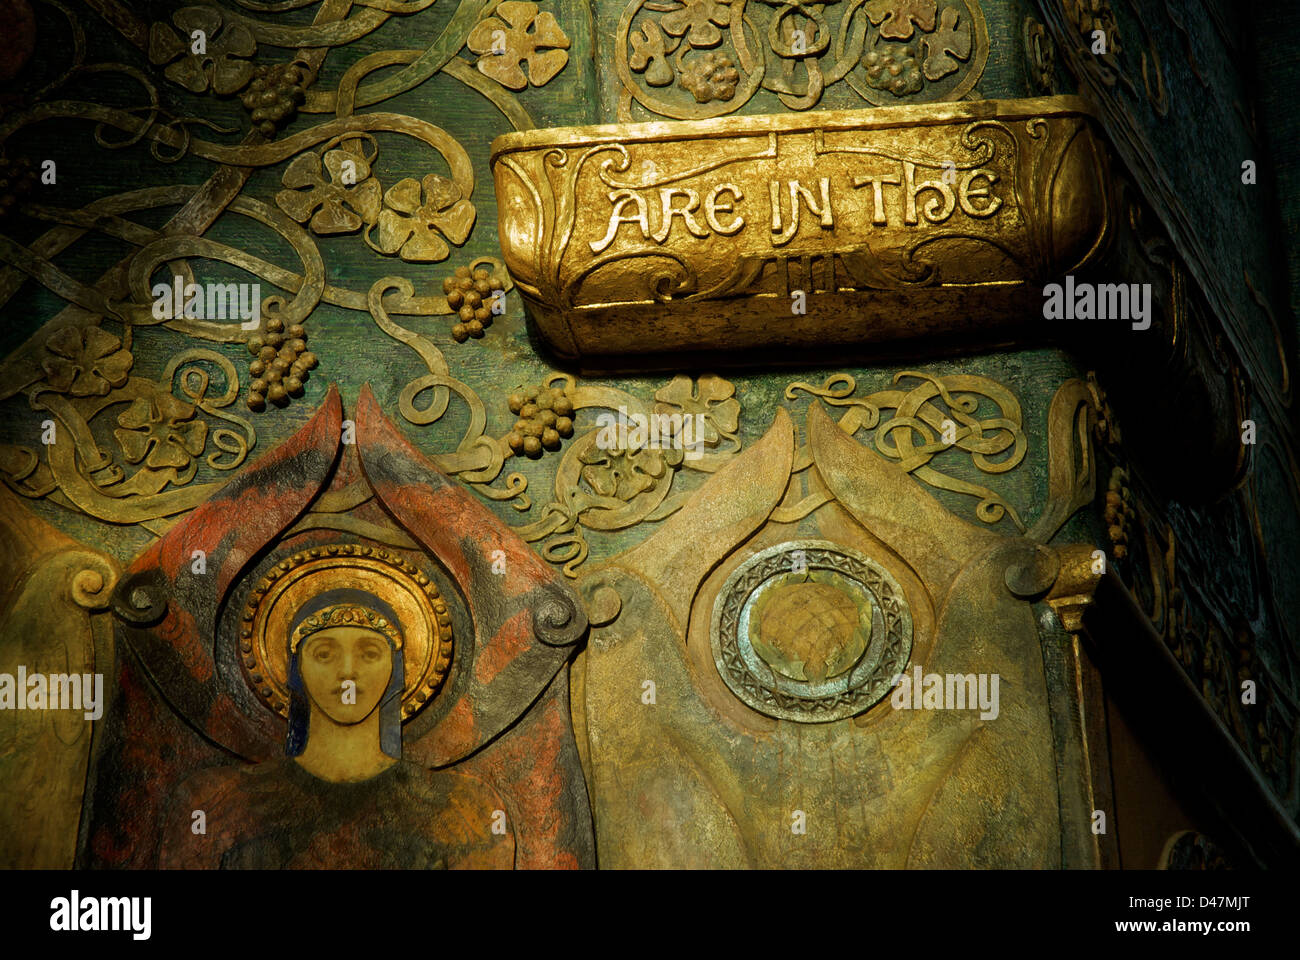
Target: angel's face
(346,671)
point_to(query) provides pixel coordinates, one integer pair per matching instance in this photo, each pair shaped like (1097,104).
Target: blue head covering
(390,707)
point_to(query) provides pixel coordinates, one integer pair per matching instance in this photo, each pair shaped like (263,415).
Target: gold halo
(421,611)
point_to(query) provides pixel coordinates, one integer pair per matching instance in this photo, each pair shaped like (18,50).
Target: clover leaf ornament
(946,43)
(897,19)
(622,473)
(85,362)
(341,204)
(650,55)
(418,214)
(520,35)
(699,21)
(224,64)
(162,431)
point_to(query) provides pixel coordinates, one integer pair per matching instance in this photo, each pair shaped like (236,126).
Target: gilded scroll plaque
(788,231)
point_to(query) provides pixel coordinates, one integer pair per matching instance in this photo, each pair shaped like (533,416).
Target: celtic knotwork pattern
(140,450)
(939,414)
(695,59)
(160,431)
(627,471)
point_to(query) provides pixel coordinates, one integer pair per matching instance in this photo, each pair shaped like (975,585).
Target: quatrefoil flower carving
(341,204)
(418,214)
(520,35)
(224,64)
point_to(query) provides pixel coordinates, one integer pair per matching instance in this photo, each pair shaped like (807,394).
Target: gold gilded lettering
(936,210)
(965,193)
(878,195)
(666,195)
(824,211)
(713,206)
(797,191)
(620,199)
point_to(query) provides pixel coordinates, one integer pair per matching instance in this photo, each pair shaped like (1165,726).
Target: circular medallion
(811,631)
(424,617)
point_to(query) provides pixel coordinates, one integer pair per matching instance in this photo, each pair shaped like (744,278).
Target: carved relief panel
(503,607)
(387,655)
